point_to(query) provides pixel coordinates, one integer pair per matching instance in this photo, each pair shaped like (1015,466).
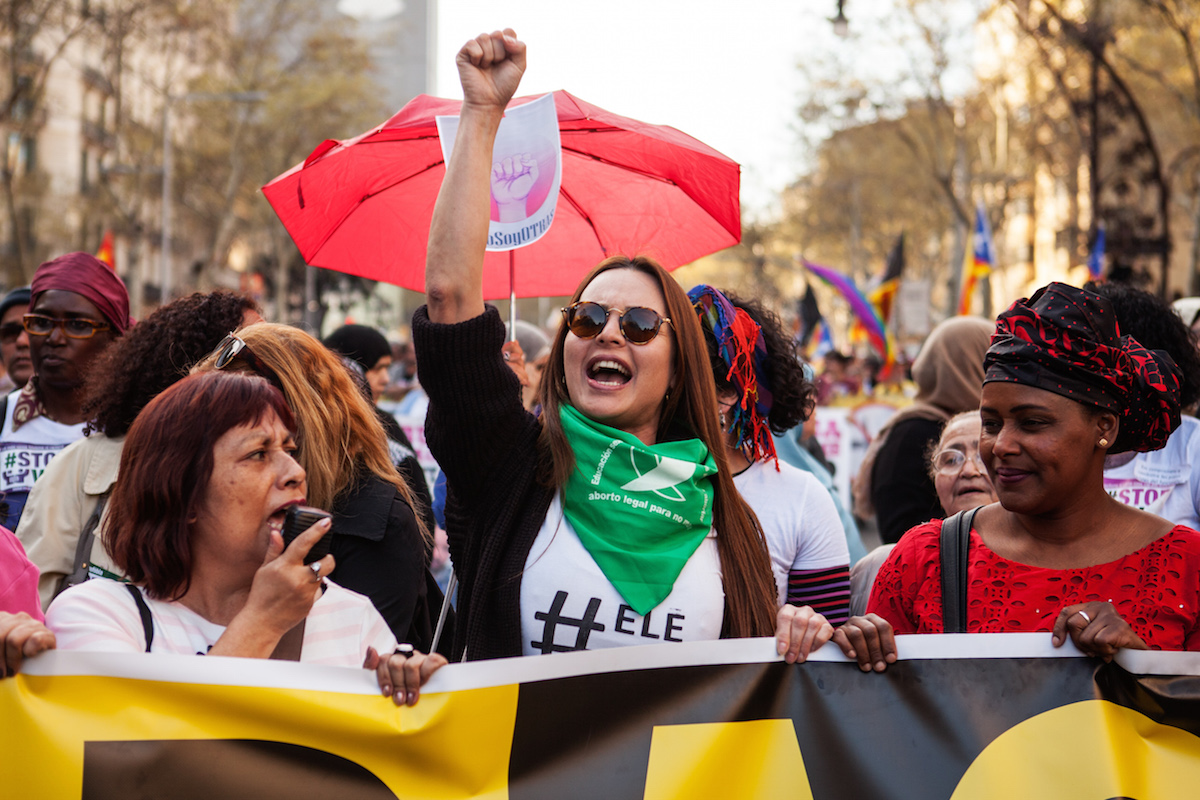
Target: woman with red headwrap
(1062,390)
(78,306)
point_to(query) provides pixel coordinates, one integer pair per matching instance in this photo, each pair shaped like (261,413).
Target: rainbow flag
(982,260)
(862,308)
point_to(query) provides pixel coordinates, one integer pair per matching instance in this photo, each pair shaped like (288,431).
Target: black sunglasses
(638,324)
(234,347)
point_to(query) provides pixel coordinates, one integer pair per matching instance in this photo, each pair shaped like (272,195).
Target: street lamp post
(841,25)
(165,271)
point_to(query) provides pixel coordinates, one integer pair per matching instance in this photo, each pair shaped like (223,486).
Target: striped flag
(982,261)
(1096,256)
(884,295)
(861,307)
(105,253)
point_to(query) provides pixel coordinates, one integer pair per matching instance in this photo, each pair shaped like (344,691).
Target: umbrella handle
(512,295)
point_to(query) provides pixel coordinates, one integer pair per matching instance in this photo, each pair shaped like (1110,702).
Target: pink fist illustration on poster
(526,172)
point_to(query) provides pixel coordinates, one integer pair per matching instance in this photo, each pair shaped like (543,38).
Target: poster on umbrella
(526,172)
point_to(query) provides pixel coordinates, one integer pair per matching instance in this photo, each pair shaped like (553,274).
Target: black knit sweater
(486,444)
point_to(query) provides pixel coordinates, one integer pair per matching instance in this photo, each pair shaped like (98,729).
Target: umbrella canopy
(363,205)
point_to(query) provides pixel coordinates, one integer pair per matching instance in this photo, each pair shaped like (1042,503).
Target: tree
(315,74)
(35,34)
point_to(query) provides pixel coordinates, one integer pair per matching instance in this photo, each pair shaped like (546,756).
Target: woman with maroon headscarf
(78,306)
(1062,390)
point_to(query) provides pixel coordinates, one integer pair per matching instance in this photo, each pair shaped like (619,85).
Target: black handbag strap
(954,544)
(144,613)
(288,648)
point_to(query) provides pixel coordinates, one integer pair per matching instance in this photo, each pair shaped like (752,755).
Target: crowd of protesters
(644,473)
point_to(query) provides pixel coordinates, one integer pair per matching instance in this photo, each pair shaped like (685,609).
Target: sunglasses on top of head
(232,346)
(639,325)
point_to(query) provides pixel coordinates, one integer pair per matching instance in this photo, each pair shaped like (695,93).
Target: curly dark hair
(1151,320)
(793,396)
(157,352)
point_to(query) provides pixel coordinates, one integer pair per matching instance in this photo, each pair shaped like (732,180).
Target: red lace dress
(1156,589)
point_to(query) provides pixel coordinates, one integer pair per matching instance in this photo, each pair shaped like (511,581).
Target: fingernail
(412,698)
(780,646)
(880,666)
(387,690)
(325,523)
(398,698)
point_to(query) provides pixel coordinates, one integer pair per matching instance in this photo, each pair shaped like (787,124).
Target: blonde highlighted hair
(340,440)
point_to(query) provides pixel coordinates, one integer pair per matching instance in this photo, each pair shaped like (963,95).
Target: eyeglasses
(232,347)
(75,327)
(951,462)
(9,331)
(638,325)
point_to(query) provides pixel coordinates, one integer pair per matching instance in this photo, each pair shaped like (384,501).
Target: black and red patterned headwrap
(1066,340)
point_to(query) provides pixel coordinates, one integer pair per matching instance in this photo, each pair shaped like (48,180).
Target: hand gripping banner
(969,716)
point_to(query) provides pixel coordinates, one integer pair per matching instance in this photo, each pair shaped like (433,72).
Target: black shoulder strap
(955,542)
(144,612)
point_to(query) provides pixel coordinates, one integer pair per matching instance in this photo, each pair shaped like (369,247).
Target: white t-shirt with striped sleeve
(101,615)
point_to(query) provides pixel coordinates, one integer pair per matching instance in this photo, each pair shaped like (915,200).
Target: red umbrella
(363,205)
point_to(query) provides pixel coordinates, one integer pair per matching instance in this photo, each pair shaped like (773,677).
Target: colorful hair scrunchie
(743,350)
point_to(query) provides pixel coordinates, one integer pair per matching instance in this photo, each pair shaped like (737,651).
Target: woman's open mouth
(276,520)
(608,372)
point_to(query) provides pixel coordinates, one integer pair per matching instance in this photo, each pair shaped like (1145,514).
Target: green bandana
(640,510)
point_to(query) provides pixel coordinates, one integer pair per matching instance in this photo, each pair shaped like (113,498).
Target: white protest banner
(526,172)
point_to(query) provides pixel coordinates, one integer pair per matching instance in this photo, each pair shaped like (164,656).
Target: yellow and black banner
(979,717)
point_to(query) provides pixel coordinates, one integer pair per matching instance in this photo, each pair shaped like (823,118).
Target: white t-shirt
(568,604)
(101,615)
(24,455)
(798,517)
(1165,482)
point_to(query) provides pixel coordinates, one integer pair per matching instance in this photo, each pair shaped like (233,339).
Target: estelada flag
(982,259)
(884,294)
(810,316)
(105,253)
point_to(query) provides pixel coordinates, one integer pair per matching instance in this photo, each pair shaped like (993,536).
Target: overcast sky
(721,71)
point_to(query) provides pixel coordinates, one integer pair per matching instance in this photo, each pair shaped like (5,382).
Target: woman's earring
(1104,442)
(722,420)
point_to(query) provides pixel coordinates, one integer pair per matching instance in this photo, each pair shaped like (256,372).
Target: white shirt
(101,615)
(568,604)
(1165,482)
(798,517)
(25,453)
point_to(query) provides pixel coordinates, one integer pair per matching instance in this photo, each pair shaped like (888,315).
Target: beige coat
(61,503)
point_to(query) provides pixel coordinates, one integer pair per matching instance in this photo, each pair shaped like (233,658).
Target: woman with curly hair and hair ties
(1166,481)
(761,389)
(381,548)
(152,355)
